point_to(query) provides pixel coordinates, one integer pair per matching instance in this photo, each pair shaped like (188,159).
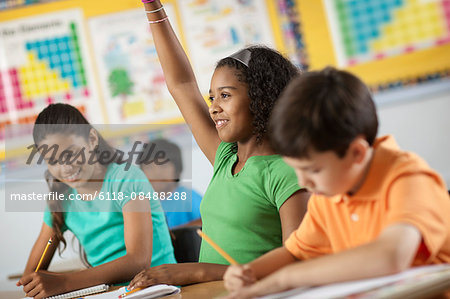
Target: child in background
(253,201)
(375,210)
(120,237)
(165,178)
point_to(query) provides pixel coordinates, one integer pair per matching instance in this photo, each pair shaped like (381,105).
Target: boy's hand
(42,284)
(237,276)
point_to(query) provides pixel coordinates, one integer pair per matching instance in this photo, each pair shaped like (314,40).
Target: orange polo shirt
(333,224)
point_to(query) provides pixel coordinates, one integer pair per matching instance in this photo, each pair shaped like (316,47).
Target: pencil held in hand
(43,254)
(217,248)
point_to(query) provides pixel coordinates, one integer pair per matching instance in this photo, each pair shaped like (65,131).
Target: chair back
(186,243)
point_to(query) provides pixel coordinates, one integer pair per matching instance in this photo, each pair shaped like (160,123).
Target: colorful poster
(45,60)
(131,77)
(8,4)
(367,30)
(215,29)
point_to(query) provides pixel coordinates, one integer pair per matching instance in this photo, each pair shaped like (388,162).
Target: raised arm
(181,82)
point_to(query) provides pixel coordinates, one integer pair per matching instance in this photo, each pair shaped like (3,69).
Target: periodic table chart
(45,61)
(368,30)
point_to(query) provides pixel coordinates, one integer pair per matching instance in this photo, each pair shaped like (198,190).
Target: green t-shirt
(98,224)
(241,212)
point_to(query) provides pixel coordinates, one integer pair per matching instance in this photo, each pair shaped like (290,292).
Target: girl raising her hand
(253,201)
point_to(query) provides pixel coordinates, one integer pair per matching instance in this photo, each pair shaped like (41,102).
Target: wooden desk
(216,289)
(11,294)
(205,290)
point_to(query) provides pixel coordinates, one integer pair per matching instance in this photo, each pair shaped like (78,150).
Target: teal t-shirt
(241,212)
(99,226)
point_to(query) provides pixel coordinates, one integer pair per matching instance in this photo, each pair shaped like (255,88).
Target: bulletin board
(131,78)
(215,29)
(49,57)
(381,41)
(7,4)
(45,59)
(100,57)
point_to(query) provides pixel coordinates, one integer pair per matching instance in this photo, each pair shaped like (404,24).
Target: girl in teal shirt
(120,233)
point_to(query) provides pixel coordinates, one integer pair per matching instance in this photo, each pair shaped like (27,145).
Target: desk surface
(216,289)
(205,290)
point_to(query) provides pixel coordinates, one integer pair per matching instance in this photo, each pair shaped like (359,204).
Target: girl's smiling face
(68,158)
(230,106)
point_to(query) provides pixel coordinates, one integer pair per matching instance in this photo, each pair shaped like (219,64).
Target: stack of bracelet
(155,11)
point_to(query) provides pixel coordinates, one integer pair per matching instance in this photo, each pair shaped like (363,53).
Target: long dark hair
(68,120)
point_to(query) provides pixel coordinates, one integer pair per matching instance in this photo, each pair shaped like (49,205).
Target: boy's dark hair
(267,74)
(171,151)
(321,111)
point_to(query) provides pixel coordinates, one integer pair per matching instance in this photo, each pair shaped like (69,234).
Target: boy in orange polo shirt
(375,210)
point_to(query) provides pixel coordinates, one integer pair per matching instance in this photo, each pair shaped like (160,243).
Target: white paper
(343,289)
(148,293)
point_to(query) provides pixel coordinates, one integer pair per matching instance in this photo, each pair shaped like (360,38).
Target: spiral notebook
(156,291)
(81,293)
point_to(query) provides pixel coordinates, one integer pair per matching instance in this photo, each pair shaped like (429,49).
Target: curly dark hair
(266,76)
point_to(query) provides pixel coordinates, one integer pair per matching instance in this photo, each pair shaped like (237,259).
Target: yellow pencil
(217,248)
(130,292)
(43,254)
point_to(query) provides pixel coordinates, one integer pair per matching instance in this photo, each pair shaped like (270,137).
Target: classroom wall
(421,126)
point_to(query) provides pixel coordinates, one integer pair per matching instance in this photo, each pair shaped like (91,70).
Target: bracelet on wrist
(156,10)
(158,21)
